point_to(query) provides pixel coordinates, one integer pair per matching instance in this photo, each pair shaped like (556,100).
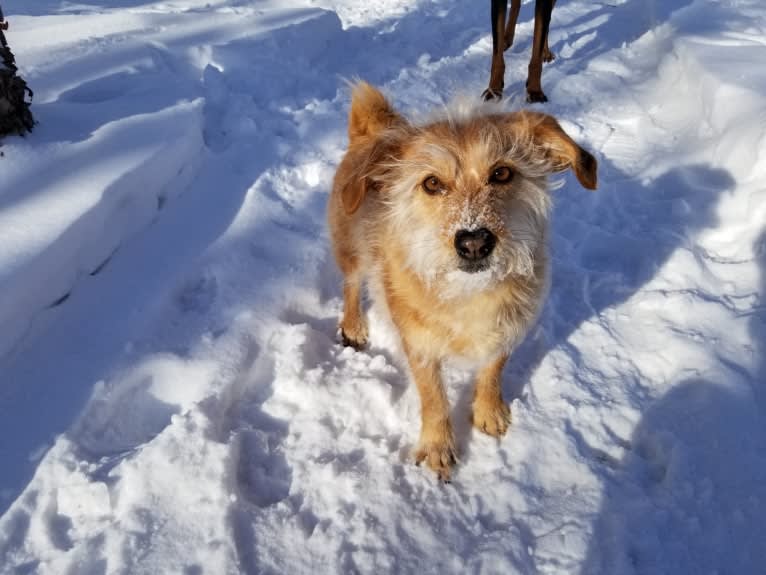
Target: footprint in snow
(198,295)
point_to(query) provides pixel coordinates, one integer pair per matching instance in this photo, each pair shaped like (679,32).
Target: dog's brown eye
(501,175)
(432,185)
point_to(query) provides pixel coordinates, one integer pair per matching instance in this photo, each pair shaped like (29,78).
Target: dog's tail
(371,113)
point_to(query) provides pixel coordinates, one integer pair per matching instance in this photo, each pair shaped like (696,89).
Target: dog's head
(466,195)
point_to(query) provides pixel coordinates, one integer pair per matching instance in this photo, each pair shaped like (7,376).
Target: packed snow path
(172,395)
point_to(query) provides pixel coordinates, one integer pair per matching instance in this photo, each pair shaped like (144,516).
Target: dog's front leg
(497,72)
(437,443)
(490,413)
(353,325)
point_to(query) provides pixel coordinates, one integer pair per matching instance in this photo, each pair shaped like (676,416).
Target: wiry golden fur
(401,194)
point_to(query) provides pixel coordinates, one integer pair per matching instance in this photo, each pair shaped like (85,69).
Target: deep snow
(172,395)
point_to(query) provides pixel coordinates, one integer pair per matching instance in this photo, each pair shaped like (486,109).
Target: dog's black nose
(474,245)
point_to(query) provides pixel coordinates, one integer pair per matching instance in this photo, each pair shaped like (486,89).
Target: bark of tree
(15,95)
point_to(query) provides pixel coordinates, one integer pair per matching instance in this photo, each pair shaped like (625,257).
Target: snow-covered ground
(172,395)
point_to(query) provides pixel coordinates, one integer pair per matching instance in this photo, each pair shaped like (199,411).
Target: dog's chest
(474,329)
(480,328)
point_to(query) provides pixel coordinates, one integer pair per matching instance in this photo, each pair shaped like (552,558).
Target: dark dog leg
(543,9)
(549,56)
(510,28)
(497,72)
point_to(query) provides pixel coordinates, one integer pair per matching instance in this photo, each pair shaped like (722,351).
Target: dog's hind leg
(549,56)
(490,413)
(510,28)
(353,326)
(543,9)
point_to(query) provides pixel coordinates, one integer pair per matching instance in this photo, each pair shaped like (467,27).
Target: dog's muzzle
(474,247)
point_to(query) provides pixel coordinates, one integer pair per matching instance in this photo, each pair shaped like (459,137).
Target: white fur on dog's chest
(480,330)
(473,328)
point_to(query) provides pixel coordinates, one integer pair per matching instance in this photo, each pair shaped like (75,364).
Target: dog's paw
(354,335)
(439,456)
(548,56)
(491,418)
(490,95)
(536,96)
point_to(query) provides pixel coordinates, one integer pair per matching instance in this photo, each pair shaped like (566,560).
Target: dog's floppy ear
(562,150)
(361,169)
(372,130)
(352,177)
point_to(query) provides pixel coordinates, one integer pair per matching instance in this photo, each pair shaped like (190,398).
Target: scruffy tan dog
(447,224)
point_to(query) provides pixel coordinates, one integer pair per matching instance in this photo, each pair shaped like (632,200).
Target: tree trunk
(15,96)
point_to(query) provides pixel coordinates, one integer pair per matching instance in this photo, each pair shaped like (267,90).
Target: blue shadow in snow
(688,496)
(609,243)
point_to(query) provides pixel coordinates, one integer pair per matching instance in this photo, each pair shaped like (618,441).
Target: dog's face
(469,202)
(466,198)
